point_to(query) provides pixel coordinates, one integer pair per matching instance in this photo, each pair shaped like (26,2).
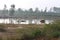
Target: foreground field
(15,31)
(30,31)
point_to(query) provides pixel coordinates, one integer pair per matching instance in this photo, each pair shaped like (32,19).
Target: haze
(26,4)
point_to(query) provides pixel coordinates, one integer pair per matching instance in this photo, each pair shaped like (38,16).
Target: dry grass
(11,33)
(15,31)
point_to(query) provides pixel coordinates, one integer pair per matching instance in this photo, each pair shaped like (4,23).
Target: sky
(26,4)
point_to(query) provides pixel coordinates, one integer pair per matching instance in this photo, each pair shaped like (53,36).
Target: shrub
(37,32)
(31,33)
(52,30)
(55,34)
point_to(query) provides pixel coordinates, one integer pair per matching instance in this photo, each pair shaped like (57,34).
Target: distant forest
(28,13)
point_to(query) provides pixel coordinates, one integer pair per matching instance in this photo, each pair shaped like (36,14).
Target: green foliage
(52,30)
(29,33)
(37,32)
(55,34)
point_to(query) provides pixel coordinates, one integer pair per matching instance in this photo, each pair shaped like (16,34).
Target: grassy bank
(30,31)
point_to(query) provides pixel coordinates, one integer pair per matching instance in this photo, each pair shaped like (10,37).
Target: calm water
(26,21)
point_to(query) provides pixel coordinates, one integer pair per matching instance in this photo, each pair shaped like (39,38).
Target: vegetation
(52,30)
(32,32)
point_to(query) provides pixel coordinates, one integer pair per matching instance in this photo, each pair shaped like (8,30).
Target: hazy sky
(26,4)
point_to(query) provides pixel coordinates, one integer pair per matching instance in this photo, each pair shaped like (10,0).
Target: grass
(17,34)
(30,32)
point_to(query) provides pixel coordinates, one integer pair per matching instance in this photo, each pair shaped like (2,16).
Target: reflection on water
(6,21)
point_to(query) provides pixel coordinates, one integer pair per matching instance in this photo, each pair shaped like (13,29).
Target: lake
(34,21)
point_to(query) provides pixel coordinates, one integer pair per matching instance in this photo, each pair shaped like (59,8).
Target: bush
(31,33)
(26,37)
(52,30)
(37,32)
(55,34)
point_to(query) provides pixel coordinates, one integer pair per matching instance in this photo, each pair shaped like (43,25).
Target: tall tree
(20,10)
(11,13)
(31,10)
(12,10)
(45,9)
(5,6)
(5,11)
(36,10)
